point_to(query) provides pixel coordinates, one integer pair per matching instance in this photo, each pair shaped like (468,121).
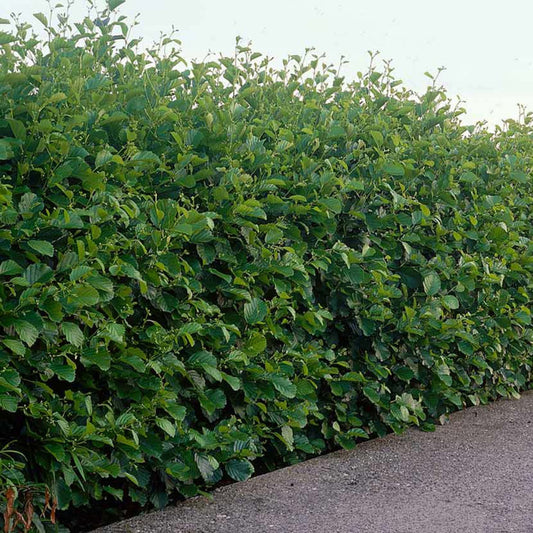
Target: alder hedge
(213,265)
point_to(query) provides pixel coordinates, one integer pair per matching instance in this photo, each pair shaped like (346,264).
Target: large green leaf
(284,385)
(100,358)
(256,344)
(66,372)
(432,284)
(84,295)
(10,267)
(42,247)
(15,346)
(208,467)
(115,332)
(239,469)
(27,332)
(450,301)
(8,403)
(255,311)
(113,4)
(72,333)
(6,150)
(41,18)
(38,273)
(167,426)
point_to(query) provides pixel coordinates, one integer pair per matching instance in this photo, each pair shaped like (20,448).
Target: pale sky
(486,46)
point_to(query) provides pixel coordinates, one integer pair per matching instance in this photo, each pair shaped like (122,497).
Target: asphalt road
(472,475)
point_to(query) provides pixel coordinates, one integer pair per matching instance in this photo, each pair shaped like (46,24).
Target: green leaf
(56,98)
(377,137)
(72,333)
(53,309)
(179,470)
(113,4)
(38,273)
(79,272)
(445,378)
(519,176)
(66,372)
(178,412)
(255,311)
(187,181)
(288,436)
(523,317)
(212,400)
(27,332)
(115,332)
(356,274)
(400,412)
(167,426)
(208,466)
(404,373)
(18,129)
(56,450)
(84,296)
(355,185)
(432,284)
(239,469)
(273,236)
(394,169)
(6,38)
(42,19)
(450,302)
(233,382)
(284,386)
(102,157)
(42,247)
(15,346)
(372,395)
(332,204)
(10,379)
(256,344)
(468,177)
(99,358)
(9,268)
(8,403)
(357,433)
(6,150)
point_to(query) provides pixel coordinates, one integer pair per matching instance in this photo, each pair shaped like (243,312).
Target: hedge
(213,265)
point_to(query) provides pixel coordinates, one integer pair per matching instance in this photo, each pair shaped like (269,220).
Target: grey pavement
(472,475)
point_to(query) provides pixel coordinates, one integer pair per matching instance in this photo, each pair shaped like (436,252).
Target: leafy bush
(221,264)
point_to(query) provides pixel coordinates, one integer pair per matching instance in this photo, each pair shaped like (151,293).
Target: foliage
(209,266)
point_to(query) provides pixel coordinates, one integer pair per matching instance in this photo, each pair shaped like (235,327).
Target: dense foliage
(209,266)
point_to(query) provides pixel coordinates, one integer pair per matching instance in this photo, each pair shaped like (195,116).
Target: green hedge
(212,266)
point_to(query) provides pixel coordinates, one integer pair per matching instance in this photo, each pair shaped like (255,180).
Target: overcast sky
(486,46)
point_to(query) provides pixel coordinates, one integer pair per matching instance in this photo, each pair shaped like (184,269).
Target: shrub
(210,266)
